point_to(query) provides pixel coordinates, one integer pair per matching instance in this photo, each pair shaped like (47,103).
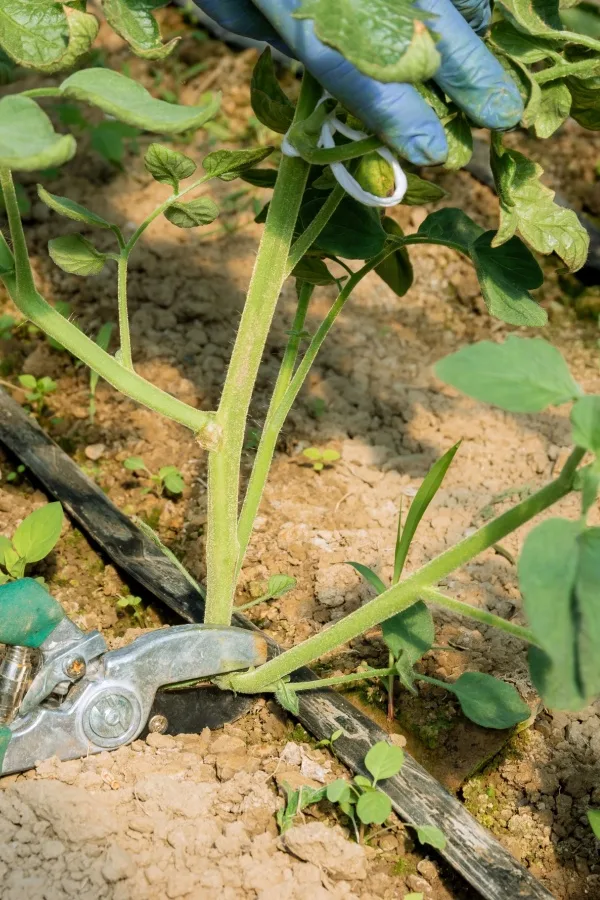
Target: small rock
(428,870)
(117,865)
(51,849)
(398,740)
(418,884)
(312,769)
(227,743)
(291,754)
(94,451)
(327,848)
(161,741)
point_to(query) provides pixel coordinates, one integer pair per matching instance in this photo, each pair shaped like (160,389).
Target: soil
(116,825)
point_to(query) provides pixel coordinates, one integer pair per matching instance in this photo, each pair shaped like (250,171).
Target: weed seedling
(277,586)
(32,540)
(15,475)
(134,607)
(168,478)
(320,458)
(329,742)
(37,390)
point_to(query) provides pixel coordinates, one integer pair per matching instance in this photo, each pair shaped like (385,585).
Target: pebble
(95,451)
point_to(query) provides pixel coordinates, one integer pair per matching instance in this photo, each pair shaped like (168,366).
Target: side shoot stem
(124,334)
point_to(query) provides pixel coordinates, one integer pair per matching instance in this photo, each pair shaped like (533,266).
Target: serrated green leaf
(131,103)
(528,205)
(409,634)
(229,164)
(452,225)
(370,576)
(554,109)
(270,104)
(134,22)
(168,166)
(278,585)
(385,39)
(594,820)
(38,533)
(488,701)
(419,192)
(547,574)
(83,30)
(521,375)
(287,697)
(313,270)
(76,255)
(202,211)
(505,273)
(384,760)
(585,423)
(339,791)
(524,47)
(135,464)
(354,231)
(34,32)
(459,139)
(396,269)
(373,808)
(427,491)
(70,209)
(429,834)
(28,140)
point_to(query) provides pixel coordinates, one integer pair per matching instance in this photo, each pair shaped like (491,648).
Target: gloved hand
(468,73)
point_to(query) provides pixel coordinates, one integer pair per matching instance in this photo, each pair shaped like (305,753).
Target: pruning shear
(63,693)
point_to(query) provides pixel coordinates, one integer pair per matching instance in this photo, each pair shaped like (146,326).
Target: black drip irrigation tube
(416,796)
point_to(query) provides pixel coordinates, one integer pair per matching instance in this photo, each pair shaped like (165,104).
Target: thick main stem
(268,440)
(222,548)
(124,335)
(402,595)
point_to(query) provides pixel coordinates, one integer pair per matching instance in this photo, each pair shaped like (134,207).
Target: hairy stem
(124,335)
(335,680)
(404,594)
(268,440)
(22,290)
(222,548)
(481,615)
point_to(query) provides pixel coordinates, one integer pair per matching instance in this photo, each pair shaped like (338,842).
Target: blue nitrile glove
(468,73)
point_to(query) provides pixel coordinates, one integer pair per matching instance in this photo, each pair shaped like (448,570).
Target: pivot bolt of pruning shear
(75,668)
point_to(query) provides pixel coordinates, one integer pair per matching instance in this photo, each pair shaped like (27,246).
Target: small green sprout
(32,540)
(594,820)
(37,389)
(320,458)
(277,586)
(329,742)
(168,478)
(133,605)
(15,474)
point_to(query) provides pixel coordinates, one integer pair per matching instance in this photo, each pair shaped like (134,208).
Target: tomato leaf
(270,105)
(202,211)
(38,533)
(28,140)
(168,166)
(373,808)
(70,209)
(488,701)
(409,634)
(384,760)
(134,22)
(76,255)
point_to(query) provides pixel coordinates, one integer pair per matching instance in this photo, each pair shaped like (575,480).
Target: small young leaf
(384,760)
(370,576)
(363,782)
(28,381)
(76,255)
(173,482)
(14,563)
(521,375)
(69,208)
(269,103)
(427,491)
(329,455)
(202,211)
(489,702)
(263,178)
(528,205)
(459,139)
(38,533)
(554,109)
(339,791)
(419,192)
(429,834)
(414,896)
(410,633)
(5,545)
(133,21)
(385,40)
(168,166)
(594,820)
(28,140)
(312,453)
(278,585)
(585,423)
(129,102)
(373,808)
(135,464)
(287,697)
(229,164)
(313,270)
(396,269)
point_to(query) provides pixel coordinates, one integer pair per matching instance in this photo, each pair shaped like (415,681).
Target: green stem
(222,549)
(124,335)
(335,680)
(42,92)
(268,439)
(160,209)
(308,237)
(22,290)
(565,70)
(321,157)
(481,615)
(400,596)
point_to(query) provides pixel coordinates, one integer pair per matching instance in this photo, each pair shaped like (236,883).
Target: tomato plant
(329,192)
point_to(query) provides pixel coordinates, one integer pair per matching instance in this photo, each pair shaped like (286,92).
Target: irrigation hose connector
(340,172)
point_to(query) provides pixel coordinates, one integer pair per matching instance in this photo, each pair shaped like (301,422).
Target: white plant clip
(341,173)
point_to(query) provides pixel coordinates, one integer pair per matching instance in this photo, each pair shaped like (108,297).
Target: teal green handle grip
(28,614)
